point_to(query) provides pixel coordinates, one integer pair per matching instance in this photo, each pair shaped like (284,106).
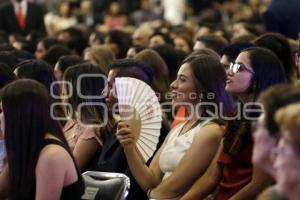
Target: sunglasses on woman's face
(237,67)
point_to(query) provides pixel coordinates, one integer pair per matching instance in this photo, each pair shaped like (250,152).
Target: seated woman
(40,163)
(254,70)
(200,87)
(42,72)
(287,161)
(87,110)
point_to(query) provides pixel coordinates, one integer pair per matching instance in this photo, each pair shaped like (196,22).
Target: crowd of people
(226,74)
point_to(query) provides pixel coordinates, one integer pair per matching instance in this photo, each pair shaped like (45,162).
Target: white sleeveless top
(176,147)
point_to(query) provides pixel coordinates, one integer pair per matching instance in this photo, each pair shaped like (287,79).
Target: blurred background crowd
(236,49)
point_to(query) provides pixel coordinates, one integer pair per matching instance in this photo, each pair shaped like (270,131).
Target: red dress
(236,171)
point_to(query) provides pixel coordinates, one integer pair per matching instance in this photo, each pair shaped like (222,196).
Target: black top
(113,159)
(76,189)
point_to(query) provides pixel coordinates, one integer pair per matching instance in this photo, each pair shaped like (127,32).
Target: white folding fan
(139,106)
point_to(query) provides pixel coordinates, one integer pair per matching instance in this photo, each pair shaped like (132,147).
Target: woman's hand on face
(125,135)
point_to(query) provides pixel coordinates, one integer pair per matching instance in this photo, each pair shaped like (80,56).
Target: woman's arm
(147,177)
(84,151)
(206,183)
(260,181)
(4,182)
(55,169)
(193,164)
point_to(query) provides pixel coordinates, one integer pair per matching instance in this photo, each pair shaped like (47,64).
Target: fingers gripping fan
(139,106)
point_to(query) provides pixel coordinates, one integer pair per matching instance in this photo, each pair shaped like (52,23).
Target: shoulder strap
(206,122)
(49,141)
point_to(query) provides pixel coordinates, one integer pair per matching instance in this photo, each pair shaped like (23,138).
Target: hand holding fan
(139,107)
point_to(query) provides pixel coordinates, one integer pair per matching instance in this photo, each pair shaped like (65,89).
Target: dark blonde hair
(288,118)
(159,67)
(102,56)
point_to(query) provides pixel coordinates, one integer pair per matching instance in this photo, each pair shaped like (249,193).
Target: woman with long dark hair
(40,163)
(42,72)
(254,70)
(200,87)
(89,117)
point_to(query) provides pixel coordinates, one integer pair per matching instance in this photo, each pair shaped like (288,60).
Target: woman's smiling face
(183,89)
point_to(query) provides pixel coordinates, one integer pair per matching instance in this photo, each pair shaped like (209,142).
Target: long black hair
(268,71)
(280,46)
(38,70)
(267,67)
(42,72)
(26,107)
(92,85)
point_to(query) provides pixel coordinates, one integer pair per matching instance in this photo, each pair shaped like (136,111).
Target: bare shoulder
(52,155)
(210,131)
